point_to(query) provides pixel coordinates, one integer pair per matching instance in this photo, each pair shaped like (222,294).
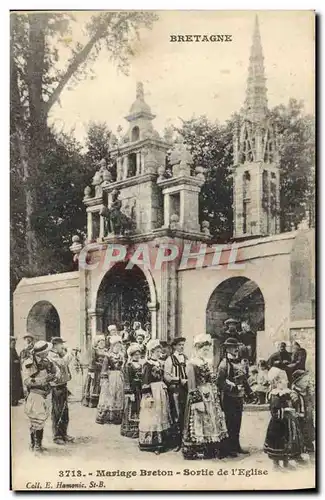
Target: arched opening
(132,164)
(239,298)
(135,134)
(43,321)
(123,295)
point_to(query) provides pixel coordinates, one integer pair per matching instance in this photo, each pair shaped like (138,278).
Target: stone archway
(126,295)
(237,297)
(43,321)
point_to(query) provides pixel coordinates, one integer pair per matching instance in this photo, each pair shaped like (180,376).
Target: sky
(182,80)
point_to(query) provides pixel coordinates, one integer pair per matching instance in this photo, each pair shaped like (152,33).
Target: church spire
(140,91)
(256,99)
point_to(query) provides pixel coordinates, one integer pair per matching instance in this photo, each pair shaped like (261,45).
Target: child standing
(262,380)
(283,437)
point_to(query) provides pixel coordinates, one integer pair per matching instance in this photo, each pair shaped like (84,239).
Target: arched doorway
(43,321)
(239,298)
(123,295)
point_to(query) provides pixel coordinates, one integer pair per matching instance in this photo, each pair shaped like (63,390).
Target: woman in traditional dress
(205,430)
(283,437)
(132,392)
(155,420)
(111,398)
(92,384)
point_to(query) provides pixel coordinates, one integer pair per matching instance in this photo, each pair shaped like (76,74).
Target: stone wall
(61,291)
(267,263)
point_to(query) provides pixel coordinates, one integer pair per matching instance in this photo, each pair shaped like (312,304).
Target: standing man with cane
(60,411)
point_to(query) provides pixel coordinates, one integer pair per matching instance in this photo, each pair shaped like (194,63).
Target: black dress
(283,437)
(92,384)
(132,399)
(16,384)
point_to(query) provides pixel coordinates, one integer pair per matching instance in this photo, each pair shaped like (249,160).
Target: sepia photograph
(162,250)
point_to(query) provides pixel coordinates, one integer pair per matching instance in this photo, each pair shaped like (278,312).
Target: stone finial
(140,91)
(107,176)
(161,173)
(97,179)
(206,227)
(112,141)
(168,134)
(87,192)
(174,221)
(76,247)
(200,173)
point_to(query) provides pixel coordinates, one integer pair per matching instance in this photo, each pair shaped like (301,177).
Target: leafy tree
(297,163)
(98,142)
(38,77)
(211,146)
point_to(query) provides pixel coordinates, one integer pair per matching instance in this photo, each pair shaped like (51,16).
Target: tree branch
(75,64)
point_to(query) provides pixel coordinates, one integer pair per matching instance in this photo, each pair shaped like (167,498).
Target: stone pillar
(119,169)
(141,163)
(138,163)
(277,217)
(153,308)
(164,306)
(166,209)
(89,225)
(173,302)
(125,167)
(189,210)
(96,321)
(238,201)
(181,209)
(101,227)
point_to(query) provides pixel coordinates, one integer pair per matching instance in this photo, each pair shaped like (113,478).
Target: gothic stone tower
(256,176)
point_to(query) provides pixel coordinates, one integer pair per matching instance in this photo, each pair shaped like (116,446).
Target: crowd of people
(166,400)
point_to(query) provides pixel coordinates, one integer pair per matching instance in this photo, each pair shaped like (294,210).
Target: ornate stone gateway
(123,295)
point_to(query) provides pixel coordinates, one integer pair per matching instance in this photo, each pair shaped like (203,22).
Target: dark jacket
(230,377)
(277,359)
(298,360)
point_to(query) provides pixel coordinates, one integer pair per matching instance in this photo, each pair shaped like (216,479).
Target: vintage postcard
(162,250)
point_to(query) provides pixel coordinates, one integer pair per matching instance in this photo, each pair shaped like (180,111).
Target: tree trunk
(30,236)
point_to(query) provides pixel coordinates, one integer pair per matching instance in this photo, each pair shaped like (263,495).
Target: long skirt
(155,419)
(91,390)
(37,410)
(283,438)
(111,399)
(204,431)
(130,420)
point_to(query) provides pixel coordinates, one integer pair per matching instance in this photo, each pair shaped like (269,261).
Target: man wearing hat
(16,385)
(233,386)
(280,359)
(38,373)
(176,379)
(60,410)
(29,344)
